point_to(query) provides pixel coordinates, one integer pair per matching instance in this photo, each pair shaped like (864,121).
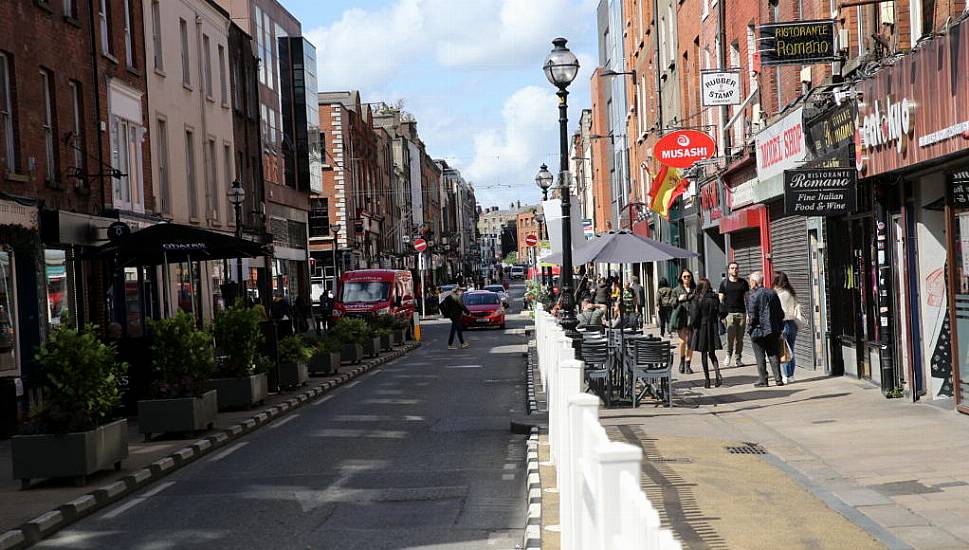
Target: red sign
(420,245)
(680,149)
(531,240)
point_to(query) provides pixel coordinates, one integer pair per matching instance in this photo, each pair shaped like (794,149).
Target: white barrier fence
(601,505)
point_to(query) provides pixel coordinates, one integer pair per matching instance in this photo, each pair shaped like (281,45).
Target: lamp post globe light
(544,181)
(561,67)
(237,195)
(335,229)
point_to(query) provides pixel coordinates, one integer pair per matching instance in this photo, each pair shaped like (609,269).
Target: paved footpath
(820,463)
(414,454)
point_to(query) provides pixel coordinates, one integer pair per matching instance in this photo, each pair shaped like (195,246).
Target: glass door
(960,254)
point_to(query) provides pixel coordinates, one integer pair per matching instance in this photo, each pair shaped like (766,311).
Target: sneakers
(730,362)
(451,346)
(465,345)
(738,362)
(785,379)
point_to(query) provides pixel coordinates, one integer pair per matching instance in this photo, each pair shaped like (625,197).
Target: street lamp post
(544,180)
(335,229)
(237,195)
(560,68)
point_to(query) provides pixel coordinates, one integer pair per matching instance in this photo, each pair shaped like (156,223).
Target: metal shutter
(790,254)
(746,251)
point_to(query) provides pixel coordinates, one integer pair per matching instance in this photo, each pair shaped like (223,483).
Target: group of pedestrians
(700,316)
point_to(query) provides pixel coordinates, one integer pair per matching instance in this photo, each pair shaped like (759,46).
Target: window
(9,145)
(47,123)
(186,68)
(220,199)
(237,84)
(59,291)
(210,180)
(104,17)
(156,35)
(129,39)
(319,218)
(164,178)
(193,207)
(8,313)
(126,139)
(77,126)
(207,65)
(267,46)
(259,45)
(223,81)
(70,8)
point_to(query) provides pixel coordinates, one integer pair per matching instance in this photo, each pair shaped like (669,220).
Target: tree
(511,258)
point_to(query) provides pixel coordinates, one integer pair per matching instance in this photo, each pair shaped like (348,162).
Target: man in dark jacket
(602,291)
(765,320)
(453,308)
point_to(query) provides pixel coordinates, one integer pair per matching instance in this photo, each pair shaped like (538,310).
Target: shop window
(8,313)
(134,319)
(58,286)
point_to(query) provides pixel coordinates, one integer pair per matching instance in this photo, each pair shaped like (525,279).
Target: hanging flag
(680,188)
(666,183)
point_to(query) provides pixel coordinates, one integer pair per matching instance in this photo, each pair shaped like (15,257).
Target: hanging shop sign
(680,149)
(781,146)
(820,192)
(831,134)
(958,189)
(797,43)
(887,123)
(720,87)
(710,212)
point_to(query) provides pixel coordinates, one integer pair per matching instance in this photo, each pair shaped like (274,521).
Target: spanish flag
(667,186)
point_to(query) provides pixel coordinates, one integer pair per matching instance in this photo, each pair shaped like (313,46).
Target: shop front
(714,248)
(745,226)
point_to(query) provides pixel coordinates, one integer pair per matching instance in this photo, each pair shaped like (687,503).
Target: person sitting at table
(620,320)
(590,315)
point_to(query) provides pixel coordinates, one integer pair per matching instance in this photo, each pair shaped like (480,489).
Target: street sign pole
(420,267)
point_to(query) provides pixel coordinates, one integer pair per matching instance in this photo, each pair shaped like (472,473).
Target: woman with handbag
(706,330)
(681,319)
(793,320)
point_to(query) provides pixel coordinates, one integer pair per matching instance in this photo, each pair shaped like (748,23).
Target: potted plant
(238,336)
(350,333)
(293,356)
(183,359)
(326,356)
(72,434)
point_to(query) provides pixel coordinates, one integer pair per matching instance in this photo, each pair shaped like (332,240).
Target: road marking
(351,384)
(123,508)
(465,366)
(322,400)
(282,421)
(507,477)
(159,488)
(509,466)
(228,451)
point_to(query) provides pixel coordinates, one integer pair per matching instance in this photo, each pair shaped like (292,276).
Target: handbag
(786,354)
(722,327)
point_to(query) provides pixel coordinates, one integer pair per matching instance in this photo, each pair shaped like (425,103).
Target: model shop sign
(680,149)
(720,87)
(781,146)
(959,189)
(820,192)
(800,43)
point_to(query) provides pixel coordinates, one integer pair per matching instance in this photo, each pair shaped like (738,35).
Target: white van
(517,272)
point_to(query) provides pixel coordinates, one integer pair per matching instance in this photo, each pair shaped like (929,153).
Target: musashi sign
(800,43)
(820,192)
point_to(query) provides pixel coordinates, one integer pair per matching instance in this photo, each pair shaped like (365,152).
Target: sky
(470,71)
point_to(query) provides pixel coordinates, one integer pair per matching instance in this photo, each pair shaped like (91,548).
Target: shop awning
(172,243)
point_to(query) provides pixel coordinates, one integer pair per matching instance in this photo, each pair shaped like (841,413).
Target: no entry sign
(531,240)
(680,149)
(420,245)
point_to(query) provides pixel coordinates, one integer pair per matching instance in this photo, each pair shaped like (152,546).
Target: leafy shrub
(293,350)
(183,357)
(238,334)
(80,381)
(350,331)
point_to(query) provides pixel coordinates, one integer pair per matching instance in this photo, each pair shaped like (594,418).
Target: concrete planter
(75,454)
(387,342)
(371,346)
(292,375)
(184,414)
(325,362)
(240,393)
(351,353)
(400,337)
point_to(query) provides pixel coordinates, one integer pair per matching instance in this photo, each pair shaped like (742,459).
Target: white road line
(158,488)
(282,421)
(229,451)
(351,384)
(123,508)
(322,400)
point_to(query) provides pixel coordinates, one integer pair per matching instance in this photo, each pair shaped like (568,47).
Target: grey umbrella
(623,247)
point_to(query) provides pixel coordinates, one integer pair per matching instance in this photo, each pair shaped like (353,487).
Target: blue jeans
(455,329)
(790,334)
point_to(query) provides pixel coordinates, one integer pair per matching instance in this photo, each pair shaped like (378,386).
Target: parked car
(517,272)
(500,291)
(486,310)
(371,292)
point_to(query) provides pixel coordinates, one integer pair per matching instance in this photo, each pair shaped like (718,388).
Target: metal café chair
(651,361)
(595,353)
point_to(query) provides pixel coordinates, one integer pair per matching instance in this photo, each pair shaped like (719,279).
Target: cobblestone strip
(50,522)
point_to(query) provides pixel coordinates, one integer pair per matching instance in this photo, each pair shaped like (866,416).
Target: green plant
(80,381)
(183,357)
(261,364)
(382,332)
(329,345)
(238,334)
(350,331)
(388,322)
(293,350)
(895,393)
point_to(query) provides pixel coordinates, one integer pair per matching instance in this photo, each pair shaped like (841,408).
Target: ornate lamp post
(237,195)
(561,66)
(544,180)
(335,229)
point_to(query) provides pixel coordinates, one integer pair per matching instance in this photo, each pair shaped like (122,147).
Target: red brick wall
(600,156)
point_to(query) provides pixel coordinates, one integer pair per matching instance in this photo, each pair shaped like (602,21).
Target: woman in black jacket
(706,330)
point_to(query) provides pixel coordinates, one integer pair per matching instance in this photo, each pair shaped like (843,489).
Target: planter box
(75,454)
(185,414)
(371,346)
(400,337)
(240,393)
(325,362)
(352,353)
(387,342)
(292,375)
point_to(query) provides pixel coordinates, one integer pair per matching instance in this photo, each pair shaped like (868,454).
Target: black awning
(174,243)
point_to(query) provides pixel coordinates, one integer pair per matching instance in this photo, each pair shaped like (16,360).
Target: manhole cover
(747,449)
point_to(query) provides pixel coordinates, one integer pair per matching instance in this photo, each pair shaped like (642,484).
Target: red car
(485,308)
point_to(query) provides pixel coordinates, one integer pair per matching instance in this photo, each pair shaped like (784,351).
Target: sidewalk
(20,506)
(842,467)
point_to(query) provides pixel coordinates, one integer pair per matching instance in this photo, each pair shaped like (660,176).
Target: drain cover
(747,449)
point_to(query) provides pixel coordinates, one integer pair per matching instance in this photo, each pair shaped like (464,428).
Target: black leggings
(664,319)
(455,329)
(703,361)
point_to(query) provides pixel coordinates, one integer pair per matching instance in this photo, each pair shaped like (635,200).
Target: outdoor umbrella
(623,247)
(169,242)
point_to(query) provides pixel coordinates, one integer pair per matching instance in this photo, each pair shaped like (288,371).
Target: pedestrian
(680,319)
(602,292)
(590,315)
(666,301)
(629,304)
(765,321)
(454,309)
(706,330)
(793,320)
(326,308)
(639,295)
(733,297)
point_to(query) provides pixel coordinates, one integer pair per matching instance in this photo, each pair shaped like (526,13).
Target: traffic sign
(531,240)
(420,245)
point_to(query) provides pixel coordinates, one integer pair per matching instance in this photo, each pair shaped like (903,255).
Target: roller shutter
(790,253)
(746,251)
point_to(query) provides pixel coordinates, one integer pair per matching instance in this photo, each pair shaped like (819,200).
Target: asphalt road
(417,454)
